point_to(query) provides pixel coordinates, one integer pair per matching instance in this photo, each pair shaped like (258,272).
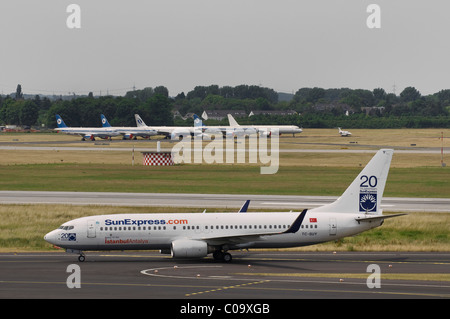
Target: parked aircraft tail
(232,121)
(139,121)
(198,121)
(365,192)
(59,121)
(105,122)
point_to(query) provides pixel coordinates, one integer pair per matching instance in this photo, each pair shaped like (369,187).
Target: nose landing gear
(81,257)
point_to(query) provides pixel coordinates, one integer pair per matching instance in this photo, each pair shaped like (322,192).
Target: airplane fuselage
(159,231)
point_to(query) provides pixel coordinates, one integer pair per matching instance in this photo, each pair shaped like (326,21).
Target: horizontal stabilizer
(376,217)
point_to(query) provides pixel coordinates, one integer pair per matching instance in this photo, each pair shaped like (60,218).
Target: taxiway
(257,275)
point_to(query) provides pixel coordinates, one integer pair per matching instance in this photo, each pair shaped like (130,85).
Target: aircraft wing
(246,238)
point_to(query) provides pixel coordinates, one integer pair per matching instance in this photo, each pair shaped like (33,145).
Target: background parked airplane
(129,132)
(344,133)
(175,132)
(85,132)
(267,129)
(195,235)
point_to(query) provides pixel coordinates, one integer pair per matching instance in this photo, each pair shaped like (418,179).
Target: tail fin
(232,121)
(105,122)
(197,121)
(59,121)
(365,192)
(139,121)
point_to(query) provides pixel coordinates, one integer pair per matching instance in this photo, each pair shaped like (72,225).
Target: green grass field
(227,179)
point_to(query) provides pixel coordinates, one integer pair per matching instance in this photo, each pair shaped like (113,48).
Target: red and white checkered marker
(157,159)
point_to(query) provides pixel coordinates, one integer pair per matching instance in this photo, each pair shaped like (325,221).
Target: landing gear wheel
(81,258)
(221,256)
(227,257)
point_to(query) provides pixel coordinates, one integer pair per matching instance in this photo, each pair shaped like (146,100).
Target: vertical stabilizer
(365,192)
(139,121)
(232,121)
(59,121)
(105,122)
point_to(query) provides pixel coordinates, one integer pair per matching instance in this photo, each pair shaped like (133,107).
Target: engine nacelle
(179,135)
(265,133)
(188,248)
(128,136)
(203,136)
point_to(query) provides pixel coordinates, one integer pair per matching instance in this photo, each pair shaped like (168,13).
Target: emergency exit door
(91,229)
(333,226)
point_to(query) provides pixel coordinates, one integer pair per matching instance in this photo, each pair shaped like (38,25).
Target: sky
(280,44)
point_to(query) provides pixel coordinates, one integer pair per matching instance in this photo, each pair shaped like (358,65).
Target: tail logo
(368,194)
(368,202)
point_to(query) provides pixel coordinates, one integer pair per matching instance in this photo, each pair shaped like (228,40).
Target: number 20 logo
(367,181)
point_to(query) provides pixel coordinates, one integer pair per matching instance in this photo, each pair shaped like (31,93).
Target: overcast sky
(280,44)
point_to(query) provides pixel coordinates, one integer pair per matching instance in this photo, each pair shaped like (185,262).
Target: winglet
(297,223)
(244,207)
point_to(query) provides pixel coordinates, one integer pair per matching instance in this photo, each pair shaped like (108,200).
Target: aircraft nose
(51,237)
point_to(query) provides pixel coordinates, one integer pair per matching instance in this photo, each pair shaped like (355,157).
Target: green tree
(28,113)
(157,110)
(410,94)
(19,94)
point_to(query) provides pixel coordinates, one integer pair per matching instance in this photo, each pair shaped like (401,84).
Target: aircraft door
(333,226)
(91,229)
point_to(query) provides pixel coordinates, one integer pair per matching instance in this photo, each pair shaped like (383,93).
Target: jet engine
(128,136)
(188,248)
(265,133)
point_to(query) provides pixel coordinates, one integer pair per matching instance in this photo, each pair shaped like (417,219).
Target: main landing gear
(222,256)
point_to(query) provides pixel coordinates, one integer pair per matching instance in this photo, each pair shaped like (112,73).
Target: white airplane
(196,235)
(85,132)
(266,129)
(344,133)
(174,132)
(129,132)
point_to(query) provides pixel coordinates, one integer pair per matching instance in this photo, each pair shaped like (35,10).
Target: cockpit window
(65,227)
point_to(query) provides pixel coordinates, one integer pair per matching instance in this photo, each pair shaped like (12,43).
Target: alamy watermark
(74,279)
(73,21)
(374,280)
(243,145)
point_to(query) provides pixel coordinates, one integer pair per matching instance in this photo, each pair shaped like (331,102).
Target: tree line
(317,107)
